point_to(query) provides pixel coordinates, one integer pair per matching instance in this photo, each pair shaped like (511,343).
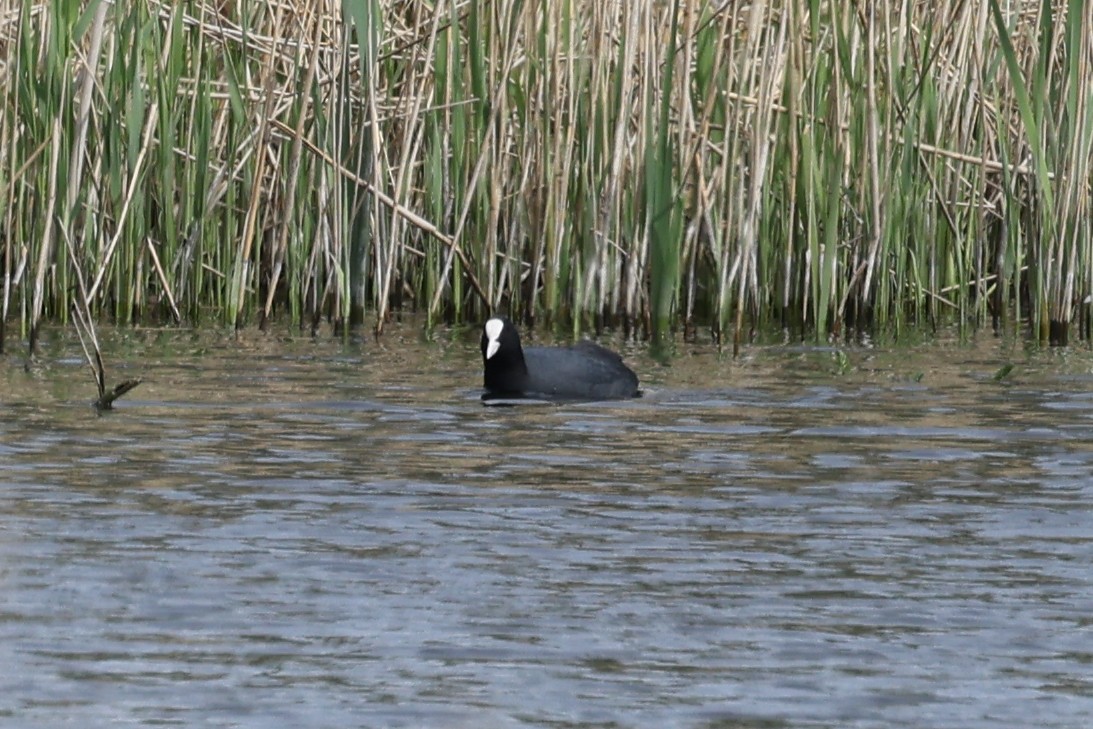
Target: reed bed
(822,166)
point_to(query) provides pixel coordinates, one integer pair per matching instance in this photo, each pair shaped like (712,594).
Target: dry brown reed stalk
(89,341)
(85,331)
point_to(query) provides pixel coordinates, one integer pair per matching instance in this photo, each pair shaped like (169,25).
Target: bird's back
(584,370)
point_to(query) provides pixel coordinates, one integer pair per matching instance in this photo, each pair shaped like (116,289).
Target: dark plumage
(584,371)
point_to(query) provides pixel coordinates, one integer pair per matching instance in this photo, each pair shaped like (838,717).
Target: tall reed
(820,166)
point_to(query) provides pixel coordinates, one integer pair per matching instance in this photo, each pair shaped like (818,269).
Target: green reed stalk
(663,213)
(360,153)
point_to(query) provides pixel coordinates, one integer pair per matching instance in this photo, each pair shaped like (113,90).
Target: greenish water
(276,530)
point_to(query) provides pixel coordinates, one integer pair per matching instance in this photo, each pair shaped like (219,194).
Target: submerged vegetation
(819,165)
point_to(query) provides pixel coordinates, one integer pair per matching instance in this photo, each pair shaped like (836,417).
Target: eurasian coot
(584,371)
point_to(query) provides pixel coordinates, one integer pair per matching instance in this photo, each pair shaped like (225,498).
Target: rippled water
(274,532)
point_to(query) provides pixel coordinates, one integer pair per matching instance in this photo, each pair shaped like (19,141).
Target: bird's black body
(583,371)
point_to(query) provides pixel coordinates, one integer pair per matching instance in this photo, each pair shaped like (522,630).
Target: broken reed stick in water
(106,399)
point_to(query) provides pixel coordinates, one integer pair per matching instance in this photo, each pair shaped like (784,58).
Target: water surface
(279,531)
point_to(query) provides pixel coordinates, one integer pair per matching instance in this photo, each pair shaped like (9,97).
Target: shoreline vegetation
(821,166)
